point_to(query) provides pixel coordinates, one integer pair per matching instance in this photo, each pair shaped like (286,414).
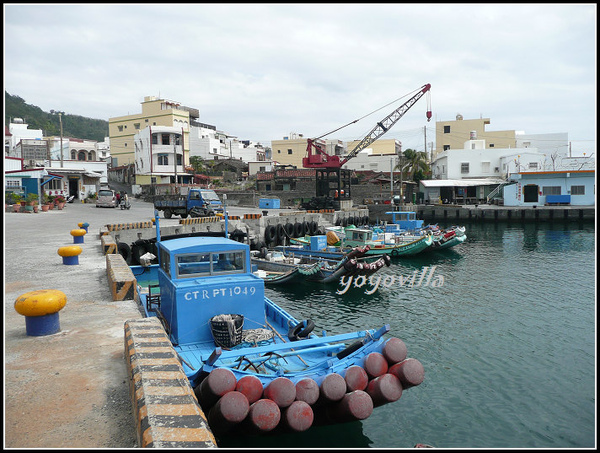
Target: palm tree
(415,163)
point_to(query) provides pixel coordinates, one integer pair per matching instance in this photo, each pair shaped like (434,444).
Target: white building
(368,160)
(576,188)
(20,130)
(159,156)
(209,144)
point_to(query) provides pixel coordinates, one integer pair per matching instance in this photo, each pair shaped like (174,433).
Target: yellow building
(292,149)
(155,112)
(380,147)
(454,134)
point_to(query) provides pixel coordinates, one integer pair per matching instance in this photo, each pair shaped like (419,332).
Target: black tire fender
(289,229)
(125,251)
(298,230)
(270,234)
(300,331)
(280,233)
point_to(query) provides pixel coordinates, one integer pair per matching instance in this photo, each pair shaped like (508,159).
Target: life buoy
(270,234)
(125,251)
(301,330)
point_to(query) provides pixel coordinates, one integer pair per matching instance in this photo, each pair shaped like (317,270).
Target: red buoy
(230,410)
(332,388)
(298,416)
(307,390)
(384,389)
(375,365)
(356,405)
(282,391)
(215,385)
(264,415)
(251,387)
(394,350)
(356,378)
(409,371)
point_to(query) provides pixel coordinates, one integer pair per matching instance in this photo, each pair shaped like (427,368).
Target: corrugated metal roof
(460,182)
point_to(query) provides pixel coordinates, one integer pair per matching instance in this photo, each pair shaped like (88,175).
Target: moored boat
(250,362)
(277,268)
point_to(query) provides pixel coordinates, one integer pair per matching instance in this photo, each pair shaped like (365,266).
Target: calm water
(507,342)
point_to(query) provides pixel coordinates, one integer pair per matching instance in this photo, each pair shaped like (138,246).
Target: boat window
(165,263)
(193,265)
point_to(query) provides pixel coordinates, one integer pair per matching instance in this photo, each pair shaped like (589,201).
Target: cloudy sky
(262,71)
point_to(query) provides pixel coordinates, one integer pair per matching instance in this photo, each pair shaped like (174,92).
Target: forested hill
(73,125)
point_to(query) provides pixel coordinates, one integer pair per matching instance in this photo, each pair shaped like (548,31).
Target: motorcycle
(124,203)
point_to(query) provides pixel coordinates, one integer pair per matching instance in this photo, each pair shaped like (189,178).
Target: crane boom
(320,158)
(333,182)
(386,124)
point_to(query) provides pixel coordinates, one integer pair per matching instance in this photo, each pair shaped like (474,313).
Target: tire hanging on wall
(289,230)
(280,234)
(125,251)
(298,230)
(314,226)
(270,234)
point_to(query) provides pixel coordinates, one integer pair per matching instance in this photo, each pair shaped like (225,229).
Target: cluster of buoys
(278,234)
(248,406)
(352,220)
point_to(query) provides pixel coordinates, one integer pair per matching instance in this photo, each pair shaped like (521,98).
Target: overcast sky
(262,71)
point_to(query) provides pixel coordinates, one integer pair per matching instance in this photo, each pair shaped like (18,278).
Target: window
(163,159)
(551,190)
(136,125)
(446,147)
(165,139)
(464,167)
(154,139)
(491,145)
(533,165)
(577,190)
(191,265)
(120,128)
(446,129)
(289,151)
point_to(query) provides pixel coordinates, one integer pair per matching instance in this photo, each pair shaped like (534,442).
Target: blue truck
(197,203)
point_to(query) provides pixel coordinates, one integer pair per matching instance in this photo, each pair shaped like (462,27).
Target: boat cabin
(358,236)
(201,277)
(406,219)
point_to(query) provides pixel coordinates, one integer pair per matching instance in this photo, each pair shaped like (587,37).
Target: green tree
(414,163)
(198,164)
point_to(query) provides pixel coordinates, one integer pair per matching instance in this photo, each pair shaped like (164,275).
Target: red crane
(329,175)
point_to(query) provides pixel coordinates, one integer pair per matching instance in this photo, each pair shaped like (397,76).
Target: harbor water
(504,325)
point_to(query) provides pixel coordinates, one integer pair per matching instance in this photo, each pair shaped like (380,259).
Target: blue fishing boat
(394,245)
(251,362)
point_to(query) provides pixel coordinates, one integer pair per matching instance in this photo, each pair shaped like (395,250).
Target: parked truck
(197,203)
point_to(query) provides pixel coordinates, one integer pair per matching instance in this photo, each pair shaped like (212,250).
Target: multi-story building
(159,156)
(453,135)
(155,112)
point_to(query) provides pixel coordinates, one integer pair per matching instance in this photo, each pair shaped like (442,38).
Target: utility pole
(61,139)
